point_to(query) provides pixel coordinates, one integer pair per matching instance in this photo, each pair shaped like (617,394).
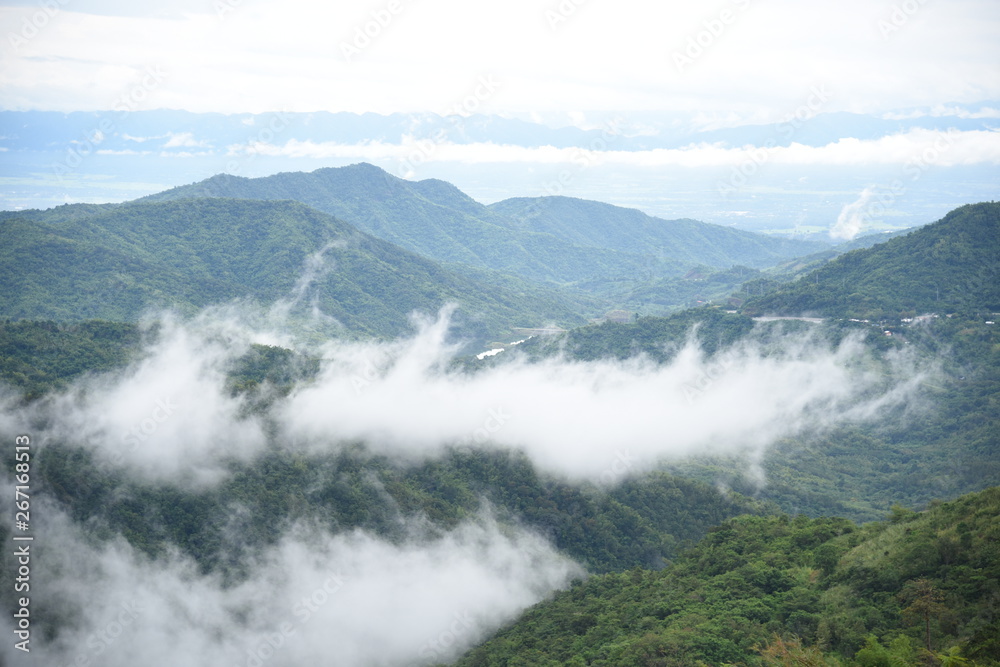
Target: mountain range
(549,238)
(116,262)
(714,558)
(381,247)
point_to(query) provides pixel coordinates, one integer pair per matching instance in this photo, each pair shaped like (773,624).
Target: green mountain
(439,221)
(73,263)
(431,218)
(917,589)
(595,224)
(952,265)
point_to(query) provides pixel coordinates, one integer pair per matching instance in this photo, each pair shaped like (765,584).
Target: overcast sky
(755,59)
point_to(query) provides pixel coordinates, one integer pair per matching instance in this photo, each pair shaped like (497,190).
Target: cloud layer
(355,598)
(916,146)
(242,55)
(350,599)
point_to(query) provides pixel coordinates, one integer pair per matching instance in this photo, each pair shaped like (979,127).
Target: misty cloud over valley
(170,418)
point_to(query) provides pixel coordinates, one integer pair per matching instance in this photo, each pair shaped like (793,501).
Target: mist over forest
(403,334)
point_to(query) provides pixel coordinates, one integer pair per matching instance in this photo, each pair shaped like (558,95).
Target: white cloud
(350,599)
(354,598)
(852,218)
(184,140)
(184,154)
(574,419)
(265,56)
(127,151)
(944,111)
(167,416)
(129,137)
(961,148)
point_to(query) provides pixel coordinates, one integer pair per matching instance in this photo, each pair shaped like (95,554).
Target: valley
(667,474)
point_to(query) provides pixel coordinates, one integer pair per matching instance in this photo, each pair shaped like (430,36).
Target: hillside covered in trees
(920,588)
(952,265)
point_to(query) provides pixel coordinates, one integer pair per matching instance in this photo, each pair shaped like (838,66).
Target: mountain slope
(437,220)
(591,223)
(114,263)
(780,591)
(950,265)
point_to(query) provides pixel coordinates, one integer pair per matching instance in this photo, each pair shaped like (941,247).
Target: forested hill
(592,223)
(952,265)
(439,221)
(916,589)
(74,263)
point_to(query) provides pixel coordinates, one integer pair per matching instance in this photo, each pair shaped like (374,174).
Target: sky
(642,68)
(734,59)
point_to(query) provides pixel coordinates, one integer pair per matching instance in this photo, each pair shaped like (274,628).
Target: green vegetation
(37,357)
(689,242)
(642,522)
(115,263)
(759,588)
(786,591)
(699,286)
(947,446)
(596,247)
(658,338)
(950,266)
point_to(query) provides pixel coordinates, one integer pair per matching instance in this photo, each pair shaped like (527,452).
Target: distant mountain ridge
(439,221)
(591,223)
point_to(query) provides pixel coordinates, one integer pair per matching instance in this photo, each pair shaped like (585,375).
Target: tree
(925,601)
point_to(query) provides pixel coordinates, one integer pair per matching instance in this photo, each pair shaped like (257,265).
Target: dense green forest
(38,357)
(920,588)
(116,262)
(952,265)
(642,523)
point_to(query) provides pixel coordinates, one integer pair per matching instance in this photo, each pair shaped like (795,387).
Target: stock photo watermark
(33,26)
(440,647)
(496,420)
(694,391)
(562,12)
(366,33)
(423,150)
(23,552)
(581,158)
(712,30)
(100,641)
(129,101)
(162,410)
(248,150)
(621,467)
(268,644)
(899,17)
(785,129)
(876,201)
